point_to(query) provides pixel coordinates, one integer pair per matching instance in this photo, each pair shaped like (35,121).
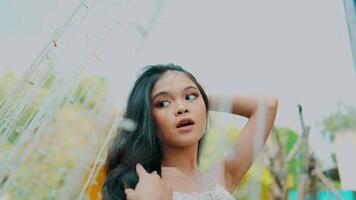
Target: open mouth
(185,124)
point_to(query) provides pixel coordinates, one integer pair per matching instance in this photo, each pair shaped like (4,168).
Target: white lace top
(218,193)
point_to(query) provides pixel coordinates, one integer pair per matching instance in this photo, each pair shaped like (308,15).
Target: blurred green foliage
(343,118)
(65,143)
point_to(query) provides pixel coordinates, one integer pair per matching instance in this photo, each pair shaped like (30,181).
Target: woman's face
(176,97)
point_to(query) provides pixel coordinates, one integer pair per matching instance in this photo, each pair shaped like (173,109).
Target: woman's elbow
(272,102)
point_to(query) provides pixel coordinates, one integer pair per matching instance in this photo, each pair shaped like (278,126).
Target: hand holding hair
(149,187)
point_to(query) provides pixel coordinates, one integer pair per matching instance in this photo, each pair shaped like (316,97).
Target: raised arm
(241,156)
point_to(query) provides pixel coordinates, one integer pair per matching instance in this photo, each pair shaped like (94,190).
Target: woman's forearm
(242,105)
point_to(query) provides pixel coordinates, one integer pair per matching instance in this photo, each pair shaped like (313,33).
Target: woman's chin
(188,139)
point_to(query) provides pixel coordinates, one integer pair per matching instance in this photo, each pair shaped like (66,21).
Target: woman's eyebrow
(159,94)
(189,87)
(164,92)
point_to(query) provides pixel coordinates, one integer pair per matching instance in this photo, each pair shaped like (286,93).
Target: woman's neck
(182,158)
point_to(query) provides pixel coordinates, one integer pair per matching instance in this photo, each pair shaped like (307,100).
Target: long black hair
(142,144)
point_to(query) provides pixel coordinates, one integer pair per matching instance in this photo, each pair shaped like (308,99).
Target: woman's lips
(186,128)
(184,121)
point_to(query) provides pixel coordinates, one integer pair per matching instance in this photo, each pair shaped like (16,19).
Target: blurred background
(66,68)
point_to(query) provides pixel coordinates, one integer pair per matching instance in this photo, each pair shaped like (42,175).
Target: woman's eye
(190,96)
(162,104)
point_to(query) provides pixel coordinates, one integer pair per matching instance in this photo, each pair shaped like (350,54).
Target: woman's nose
(181,110)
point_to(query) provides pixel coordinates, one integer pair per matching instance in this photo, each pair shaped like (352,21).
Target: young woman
(159,159)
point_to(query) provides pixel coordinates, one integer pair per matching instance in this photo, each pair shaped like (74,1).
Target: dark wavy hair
(142,144)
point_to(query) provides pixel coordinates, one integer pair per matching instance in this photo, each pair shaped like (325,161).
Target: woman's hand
(150,186)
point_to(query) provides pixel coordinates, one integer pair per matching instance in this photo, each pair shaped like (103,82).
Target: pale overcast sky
(296,50)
